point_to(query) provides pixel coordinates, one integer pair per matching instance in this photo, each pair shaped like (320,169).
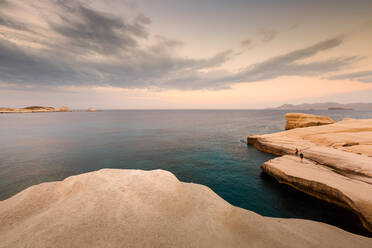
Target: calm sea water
(201,146)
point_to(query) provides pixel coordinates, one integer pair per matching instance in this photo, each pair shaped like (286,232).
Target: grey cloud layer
(246,43)
(360,76)
(267,34)
(85,47)
(289,65)
(285,65)
(83,34)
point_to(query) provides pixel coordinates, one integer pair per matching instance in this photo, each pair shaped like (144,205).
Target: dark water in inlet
(201,146)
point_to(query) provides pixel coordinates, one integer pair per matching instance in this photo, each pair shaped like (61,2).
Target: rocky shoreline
(135,208)
(337,167)
(33,109)
(40,109)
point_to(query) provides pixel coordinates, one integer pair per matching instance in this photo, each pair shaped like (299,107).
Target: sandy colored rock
(309,176)
(344,147)
(351,135)
(297,120)
(64,109)
(133,208)
(33,109)
(39,109)
(92,110)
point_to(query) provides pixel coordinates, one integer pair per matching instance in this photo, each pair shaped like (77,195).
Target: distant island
(339,108)
(34,109)
(326,106)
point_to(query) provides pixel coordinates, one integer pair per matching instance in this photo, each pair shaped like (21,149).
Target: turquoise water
(201,146)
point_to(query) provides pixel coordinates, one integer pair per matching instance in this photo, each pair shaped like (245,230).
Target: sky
(173,54)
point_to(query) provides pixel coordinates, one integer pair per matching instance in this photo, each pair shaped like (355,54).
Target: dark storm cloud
(360,76)
(81,46)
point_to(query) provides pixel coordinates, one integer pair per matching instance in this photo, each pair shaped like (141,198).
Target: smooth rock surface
(341,149)
(309,177)
(133,208)
(92,110)
(298,120)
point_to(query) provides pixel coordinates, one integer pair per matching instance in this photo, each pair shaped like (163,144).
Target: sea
(200,146)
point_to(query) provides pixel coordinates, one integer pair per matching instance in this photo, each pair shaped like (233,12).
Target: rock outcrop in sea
(337,167)
(34,109)
(297,120)
(63,109)
(134,208)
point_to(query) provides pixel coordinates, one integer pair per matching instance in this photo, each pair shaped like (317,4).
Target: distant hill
(327,106)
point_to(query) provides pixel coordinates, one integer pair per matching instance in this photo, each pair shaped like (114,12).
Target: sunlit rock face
(134,208)
(34,109)
(323,183)
(297,120)
(337,166)
(64,109)
(31,109)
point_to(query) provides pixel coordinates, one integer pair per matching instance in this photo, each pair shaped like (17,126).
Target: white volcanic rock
(330,186)
(132,208)
(345,147)
(297,120)
(345,144)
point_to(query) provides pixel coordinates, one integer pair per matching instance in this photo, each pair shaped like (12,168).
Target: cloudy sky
(132,54)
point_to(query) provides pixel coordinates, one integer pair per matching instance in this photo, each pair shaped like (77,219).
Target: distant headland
(39,109)
(34,109)
(326,106)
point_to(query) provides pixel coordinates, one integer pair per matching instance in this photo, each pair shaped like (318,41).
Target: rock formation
(34,109)
(40,109)
(337,166)
(296,120)
(133,208)
(64,109)
(92,110)
(31,109)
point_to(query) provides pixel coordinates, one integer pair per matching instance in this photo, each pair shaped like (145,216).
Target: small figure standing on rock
(296,152)
(301,156)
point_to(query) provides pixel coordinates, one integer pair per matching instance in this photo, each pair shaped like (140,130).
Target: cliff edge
(298,120)
(337,167)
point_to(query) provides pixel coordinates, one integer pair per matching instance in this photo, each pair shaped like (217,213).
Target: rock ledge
(133,208)
(338,164)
